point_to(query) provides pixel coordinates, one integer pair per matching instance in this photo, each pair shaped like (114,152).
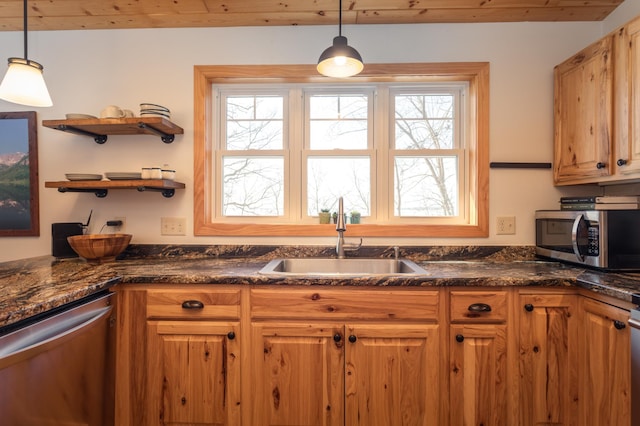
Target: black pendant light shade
(340,60)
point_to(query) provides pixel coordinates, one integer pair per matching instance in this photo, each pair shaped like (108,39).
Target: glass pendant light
(340,60)
(24,82)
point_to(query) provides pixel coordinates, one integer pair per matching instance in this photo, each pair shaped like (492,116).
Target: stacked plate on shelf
(123,175)
(154,110)
(83,176)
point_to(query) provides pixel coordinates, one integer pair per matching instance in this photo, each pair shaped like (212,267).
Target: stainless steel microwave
(604,239)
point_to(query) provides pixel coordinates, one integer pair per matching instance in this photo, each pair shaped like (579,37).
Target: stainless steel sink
(350,266)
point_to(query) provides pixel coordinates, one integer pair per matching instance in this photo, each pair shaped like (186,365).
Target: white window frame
(297,224)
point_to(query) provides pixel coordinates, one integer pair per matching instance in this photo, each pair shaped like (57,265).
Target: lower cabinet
(479,357)
(392,374)
(193,372)
(334,374)
(606,365)
(549,367)
(240,355)
(297,374)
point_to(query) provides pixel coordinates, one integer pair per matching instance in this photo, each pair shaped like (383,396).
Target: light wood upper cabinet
(627,99)
(583,88)
(548,330)
(597,111)
(606,365)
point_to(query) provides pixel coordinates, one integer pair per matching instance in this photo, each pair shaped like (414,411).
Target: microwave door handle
(574,237)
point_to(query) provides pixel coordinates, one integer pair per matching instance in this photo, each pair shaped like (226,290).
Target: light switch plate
(173,226)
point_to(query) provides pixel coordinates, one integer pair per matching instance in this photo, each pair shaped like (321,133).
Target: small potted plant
(355,216)
(324,216)
(335,217)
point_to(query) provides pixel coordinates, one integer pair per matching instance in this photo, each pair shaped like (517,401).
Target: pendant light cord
(25,30)
(339,18)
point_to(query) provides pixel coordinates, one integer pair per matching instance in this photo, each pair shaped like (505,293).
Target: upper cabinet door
(583,115)
(627,98)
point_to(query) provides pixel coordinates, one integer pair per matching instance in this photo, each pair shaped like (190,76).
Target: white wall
(86,70)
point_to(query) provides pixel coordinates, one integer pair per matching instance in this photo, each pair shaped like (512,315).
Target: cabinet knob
(601,165)
(619,325)
(192,304)
(352,338)
(528,307)
(621,162)
(459,338)
(337,337)
(231,335)
(479,307)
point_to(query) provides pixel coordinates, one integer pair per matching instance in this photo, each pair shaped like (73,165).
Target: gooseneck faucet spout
(340,227)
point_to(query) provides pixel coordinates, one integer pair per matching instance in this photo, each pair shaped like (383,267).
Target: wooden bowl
(99,248)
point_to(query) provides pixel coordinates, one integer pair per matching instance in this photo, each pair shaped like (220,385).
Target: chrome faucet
(340,227)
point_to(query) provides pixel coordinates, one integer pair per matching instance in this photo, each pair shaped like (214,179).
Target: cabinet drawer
(478,306)
(193,304)
(345,304)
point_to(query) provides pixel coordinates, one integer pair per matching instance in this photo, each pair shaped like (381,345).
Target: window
(405,145)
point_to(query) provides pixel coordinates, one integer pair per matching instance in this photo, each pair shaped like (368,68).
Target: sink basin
(355,266)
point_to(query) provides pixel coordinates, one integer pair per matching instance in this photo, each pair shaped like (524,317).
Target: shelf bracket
(166,192)
(166,138)
(97,137)
(99,192)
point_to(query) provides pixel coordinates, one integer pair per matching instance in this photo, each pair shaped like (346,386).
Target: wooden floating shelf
(100,128)
(101,187)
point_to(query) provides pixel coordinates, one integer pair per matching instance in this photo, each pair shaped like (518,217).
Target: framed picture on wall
(19,206)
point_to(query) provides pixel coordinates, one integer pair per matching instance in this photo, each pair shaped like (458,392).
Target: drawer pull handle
(528,307)
(459,338)
(621,162)
(337,337)
(352,338)
(600,165)
(619,325)
(479,307)
(192,304)
(231,335)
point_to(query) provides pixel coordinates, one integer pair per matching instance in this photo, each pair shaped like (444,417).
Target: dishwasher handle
(634,323)
(55,334)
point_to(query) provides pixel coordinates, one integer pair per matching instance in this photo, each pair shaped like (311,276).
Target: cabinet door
(393,375)
(478,381)
(193,373)
(583,115)
(548,359)
(298,374)
(606,365)
(627,98)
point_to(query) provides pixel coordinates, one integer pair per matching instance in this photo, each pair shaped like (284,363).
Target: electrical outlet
(122,227)
(173,226)
(506,225)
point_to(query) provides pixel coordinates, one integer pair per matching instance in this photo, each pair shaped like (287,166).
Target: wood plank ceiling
(116,14)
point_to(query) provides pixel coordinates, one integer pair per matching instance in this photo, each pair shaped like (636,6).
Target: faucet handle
(396,252)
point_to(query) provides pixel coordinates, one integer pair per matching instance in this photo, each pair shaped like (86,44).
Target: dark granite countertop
(32,286)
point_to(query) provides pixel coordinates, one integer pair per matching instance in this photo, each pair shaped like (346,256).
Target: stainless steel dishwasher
(634,322)
(58,369)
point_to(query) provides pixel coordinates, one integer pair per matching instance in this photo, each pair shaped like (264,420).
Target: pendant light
(340,60)
(24,83)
